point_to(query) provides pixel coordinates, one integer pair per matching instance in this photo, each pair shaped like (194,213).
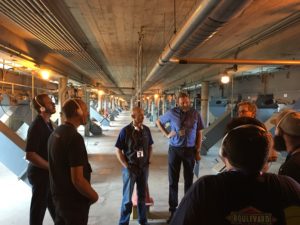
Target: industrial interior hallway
(106,179)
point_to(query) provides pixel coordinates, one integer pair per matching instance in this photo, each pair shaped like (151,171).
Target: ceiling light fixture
(225,79)
(45,74)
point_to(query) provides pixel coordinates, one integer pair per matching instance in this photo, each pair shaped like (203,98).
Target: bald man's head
(137,115)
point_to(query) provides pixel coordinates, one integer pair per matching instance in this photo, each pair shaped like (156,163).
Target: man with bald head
(134,150)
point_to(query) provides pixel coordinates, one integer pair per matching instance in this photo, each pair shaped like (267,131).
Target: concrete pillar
(105,103)
(62,89)
(131,104)
(117,102)
(86,99)
(204,102)
(112,100)
(158,106)
(149,105)
(99,108)
(163,100)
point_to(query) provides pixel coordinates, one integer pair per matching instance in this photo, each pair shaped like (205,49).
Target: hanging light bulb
(45,74)
(225,79)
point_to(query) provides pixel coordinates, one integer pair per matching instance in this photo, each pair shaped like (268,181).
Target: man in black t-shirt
(37,155)
(243,194)
(70,171)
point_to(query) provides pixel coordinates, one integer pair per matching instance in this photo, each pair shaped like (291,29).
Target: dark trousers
(175,157)
(71,212)
(41,199)
(129,179)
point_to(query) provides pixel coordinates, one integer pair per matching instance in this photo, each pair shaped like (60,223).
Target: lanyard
(182,117)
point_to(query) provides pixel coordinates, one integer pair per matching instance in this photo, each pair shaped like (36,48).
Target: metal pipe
(202,25)
(16,15)
(105,87)
(22,85)
(235,61)
(16,53)
(203,10)
(42,23)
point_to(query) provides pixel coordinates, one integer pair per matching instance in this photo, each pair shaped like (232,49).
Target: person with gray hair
(243,194)
(287,138)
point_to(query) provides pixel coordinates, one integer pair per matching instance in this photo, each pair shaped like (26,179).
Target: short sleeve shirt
(66,150)
(125,137)
(234,198)
(37,138)
(190,121)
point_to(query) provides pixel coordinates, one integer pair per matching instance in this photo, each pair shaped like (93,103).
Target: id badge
(140,153)
(181,132)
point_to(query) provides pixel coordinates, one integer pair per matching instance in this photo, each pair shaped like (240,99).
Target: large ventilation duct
(207,19)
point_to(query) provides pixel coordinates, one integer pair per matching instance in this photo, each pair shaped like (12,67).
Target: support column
(163,104)
(152,110)
(131,103)
(105,104)
(204,102)
(99,108)
(112,100)
(86,99)
(62,89)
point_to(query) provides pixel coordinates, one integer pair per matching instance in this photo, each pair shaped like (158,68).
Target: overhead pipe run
(201,26)
(235,61)
(45,26)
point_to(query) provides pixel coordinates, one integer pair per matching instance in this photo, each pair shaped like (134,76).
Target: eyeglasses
(243,111)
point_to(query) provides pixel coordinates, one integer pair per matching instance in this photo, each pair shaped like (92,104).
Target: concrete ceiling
(97,41)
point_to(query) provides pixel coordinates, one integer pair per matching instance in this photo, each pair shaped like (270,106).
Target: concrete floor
(106,179)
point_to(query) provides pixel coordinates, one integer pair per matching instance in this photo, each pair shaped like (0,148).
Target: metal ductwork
(38,19)
(207,19)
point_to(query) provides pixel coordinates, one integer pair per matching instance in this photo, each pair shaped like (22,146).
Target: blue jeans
(129,179)
(177,155)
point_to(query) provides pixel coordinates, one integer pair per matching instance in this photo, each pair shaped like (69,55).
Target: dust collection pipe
(235,61)
(211,15)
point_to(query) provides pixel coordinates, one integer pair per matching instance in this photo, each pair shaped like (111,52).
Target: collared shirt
(131,140)
(190,121)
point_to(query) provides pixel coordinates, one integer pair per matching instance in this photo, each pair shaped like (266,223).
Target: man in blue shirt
(184,145)
(134,150)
